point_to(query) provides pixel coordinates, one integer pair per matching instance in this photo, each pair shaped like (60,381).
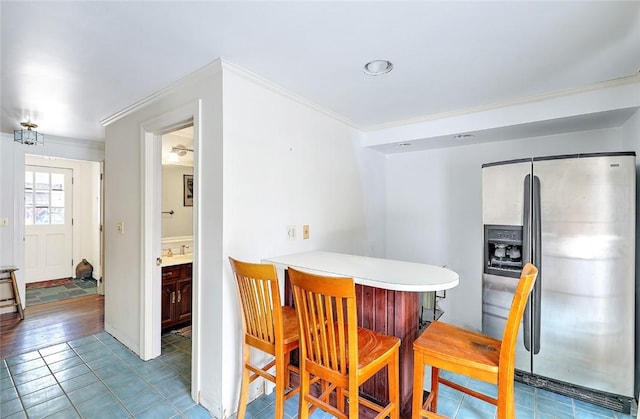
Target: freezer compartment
(497,296)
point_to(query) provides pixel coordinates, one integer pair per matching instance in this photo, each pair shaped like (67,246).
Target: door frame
(150,316)
(46,159)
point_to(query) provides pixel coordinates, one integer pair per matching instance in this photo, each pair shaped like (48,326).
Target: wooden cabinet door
(183,300)
(168,305)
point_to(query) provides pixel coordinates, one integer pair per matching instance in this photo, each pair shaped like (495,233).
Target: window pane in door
(28,180)
(42,198)
(57,181)
(28,216)
(42,215)
(28,198)
(42,180)
(57,215)
(57,198)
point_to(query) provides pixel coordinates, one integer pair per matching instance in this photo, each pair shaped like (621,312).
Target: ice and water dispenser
(503,250)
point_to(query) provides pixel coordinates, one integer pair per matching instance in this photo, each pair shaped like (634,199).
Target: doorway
(151,292)
(177,231)
(62,214)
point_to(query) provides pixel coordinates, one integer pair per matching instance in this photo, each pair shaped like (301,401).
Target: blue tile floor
(530,403)
(75,287)
(98,377)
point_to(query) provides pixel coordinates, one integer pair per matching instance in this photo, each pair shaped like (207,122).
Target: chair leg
(303,405)
(281,371)
(435,382)
(354,402)
(418,384)
(505,408)
(244,387)
(393,373)
(340,399)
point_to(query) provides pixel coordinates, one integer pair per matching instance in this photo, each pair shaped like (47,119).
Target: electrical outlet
(120,227)
(305,232)
(291,232)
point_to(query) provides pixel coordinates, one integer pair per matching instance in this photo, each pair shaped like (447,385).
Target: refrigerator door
(503,193)
(503,204)
(588,252)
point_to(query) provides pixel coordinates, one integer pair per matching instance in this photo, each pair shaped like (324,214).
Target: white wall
(284,164)
(124,203)
(180,223)
(279,162)
(434,206)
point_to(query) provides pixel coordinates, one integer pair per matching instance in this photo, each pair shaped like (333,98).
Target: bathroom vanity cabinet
(176,295)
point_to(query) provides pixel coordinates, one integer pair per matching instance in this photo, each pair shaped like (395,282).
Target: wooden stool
(472,354)
(267,326)
(336,351)
(15,298)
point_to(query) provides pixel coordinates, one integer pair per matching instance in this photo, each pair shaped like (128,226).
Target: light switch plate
(291,232)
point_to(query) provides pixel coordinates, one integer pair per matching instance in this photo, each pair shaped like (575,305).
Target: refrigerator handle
(537,260)
(526,257)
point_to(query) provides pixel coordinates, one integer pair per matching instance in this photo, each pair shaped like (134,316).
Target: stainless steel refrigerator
(574,218)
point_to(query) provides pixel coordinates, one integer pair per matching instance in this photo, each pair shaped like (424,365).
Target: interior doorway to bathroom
(177,232)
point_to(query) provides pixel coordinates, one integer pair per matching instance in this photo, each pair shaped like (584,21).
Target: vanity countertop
(177,260)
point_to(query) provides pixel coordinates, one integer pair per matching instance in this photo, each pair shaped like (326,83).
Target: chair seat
(290,326)
(374,345)
(471,354)
(450,347)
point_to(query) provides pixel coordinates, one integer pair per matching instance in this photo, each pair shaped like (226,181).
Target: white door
(48,223)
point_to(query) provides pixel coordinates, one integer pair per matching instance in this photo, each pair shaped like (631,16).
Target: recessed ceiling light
(377,67)
(463,136)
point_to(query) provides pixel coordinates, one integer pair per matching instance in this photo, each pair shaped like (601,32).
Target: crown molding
(210,69)
(226,65)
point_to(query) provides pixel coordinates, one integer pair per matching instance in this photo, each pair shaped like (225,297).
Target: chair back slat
(520,298)
(260,302)
(507,360)
(325,332)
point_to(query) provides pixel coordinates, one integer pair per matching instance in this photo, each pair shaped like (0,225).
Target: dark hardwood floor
(51,323)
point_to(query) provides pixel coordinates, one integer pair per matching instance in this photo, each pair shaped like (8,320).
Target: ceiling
(69,65)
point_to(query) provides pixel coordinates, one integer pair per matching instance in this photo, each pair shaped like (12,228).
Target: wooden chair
(465,352)
(336,351)
(267,326)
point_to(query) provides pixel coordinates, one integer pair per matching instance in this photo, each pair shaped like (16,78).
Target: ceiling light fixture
(377,67)
(28,136)
(177,152)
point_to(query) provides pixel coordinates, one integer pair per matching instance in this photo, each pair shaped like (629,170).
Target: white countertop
(176,260)
(381,273)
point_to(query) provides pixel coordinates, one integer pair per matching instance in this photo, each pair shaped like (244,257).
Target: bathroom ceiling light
(177,152)
(377,67)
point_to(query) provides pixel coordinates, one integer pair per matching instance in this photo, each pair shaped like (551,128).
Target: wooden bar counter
(387,294)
